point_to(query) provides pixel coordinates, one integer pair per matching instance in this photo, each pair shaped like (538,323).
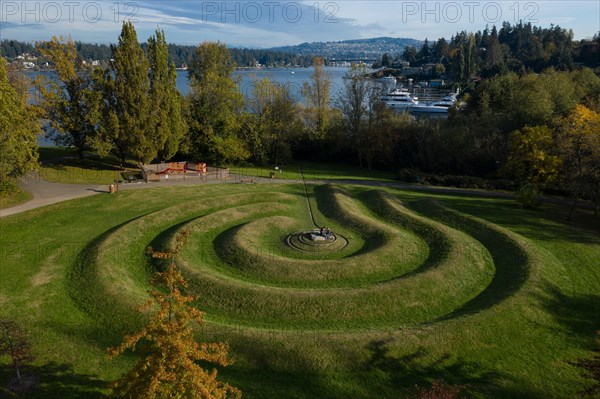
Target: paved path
(47,193)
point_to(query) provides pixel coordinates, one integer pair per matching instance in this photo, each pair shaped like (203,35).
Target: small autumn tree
(578,143)
(532,160)
(14,342)
(169,368)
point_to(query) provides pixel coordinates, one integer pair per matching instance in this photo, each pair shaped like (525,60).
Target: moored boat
(399,99)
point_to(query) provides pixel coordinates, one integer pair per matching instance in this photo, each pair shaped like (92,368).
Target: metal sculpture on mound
(314,241)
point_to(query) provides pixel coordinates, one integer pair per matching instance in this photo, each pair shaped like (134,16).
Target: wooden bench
(247,180)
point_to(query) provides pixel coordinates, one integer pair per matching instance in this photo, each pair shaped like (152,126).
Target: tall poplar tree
(353,104)
(215,107)
(127,114)
(19,126)
(318,98)
(166,118)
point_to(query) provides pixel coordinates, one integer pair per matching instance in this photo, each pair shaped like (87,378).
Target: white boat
(399,99)
(436,107)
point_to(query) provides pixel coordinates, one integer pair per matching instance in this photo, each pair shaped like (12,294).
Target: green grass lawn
(474,291)
(14,199)
(315,171)
(62,165)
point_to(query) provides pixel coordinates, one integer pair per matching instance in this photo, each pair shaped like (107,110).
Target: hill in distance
(356,49)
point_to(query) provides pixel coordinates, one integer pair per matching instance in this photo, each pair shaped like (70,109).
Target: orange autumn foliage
(169,368)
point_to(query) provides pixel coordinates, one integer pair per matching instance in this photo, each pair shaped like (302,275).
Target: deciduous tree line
(540,131)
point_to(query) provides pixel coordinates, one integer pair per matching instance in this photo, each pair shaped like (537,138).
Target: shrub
(8,186)
(412,176)
(528,196)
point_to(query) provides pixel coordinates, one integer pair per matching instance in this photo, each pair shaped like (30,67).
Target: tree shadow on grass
(578,313)
(282,384)
(404,372)
(53,381)
(271,369)
(92,162)
(580,316)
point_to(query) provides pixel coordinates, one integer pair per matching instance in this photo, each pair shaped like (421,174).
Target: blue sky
(272,23)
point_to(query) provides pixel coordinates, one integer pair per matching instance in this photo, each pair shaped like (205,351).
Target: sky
(270,23)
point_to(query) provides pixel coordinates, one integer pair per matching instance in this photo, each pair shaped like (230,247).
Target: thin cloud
(268,24)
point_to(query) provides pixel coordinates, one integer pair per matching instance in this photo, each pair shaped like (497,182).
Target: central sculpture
(316,241)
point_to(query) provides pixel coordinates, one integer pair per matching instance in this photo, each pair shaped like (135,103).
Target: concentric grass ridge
(409,268)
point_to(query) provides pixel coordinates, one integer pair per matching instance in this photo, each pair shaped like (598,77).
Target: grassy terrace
(472,290)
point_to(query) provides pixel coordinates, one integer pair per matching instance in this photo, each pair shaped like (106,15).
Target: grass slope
(472,290)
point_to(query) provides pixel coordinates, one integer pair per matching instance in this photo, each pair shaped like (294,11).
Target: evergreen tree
(386,61)
(410,54)
(424,54)
(439,50)
(493,58)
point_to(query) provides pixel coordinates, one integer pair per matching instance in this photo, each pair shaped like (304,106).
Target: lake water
(293,78)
